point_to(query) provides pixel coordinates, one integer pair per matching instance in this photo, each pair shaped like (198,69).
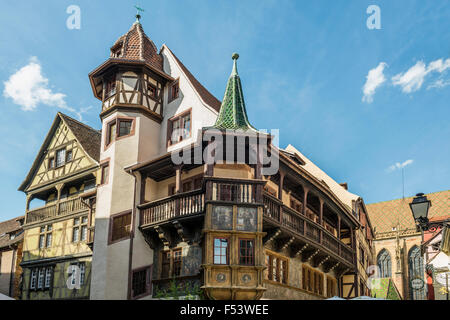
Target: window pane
(124,127)
(246,252)
(60,157)
(75,234)
(48,243)
(139,282)
(220,251)
(121,226)
(112,133)
(105,174)
(69,155)
(186,126)
(41,241)
(83,233)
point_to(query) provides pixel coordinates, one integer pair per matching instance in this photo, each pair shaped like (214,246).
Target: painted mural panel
(247,219)
(222,217)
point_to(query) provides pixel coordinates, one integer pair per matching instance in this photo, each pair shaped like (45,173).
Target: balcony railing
(55,210)
(178,205)
(302,225)
(238,192)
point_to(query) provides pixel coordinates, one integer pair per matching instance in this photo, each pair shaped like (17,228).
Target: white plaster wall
(202,114)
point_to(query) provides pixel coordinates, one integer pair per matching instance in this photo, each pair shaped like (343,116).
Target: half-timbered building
(60,213)
(226,227)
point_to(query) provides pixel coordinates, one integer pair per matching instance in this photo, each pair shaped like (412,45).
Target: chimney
(344,185)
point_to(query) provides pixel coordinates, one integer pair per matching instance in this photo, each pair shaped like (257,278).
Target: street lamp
(419,207)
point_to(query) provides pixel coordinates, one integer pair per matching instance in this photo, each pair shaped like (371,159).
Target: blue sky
(305,67)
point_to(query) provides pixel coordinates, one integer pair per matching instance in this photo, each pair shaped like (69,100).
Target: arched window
(384,263)
(416,271)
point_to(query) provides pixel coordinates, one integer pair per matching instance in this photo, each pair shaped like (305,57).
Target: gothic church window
(384,264)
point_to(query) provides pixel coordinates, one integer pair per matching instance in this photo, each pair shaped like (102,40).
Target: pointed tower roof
(233,114)
(136,45)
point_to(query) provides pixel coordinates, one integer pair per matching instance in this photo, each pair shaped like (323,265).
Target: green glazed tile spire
(233,114)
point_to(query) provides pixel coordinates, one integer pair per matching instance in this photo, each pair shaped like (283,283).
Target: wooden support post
(143,184)
(280,185)
(305,204)
(320,219)
(178,178)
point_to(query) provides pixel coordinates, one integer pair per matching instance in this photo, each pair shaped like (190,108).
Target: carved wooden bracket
(271,235)
(309,255)
(287,243)
(165,236)
(299,252)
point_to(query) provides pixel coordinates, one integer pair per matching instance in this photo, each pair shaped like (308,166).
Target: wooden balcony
(55,210)
(279,216)
(173,207)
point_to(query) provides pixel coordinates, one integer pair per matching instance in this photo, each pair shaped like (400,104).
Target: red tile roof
(386,215)
(136,45)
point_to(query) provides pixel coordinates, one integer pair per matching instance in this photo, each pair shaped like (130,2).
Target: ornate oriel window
(384,264)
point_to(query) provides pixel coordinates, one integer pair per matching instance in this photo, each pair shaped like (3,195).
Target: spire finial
(138,15)
(234,56)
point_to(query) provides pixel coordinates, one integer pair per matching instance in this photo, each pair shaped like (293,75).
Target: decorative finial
(139,9)
(235,56)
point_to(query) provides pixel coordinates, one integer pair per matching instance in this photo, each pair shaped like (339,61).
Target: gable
(75,157)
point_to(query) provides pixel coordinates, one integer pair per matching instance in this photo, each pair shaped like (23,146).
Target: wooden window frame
(150,86)
(148,282)
(252,263)
(56,158)
(50,161)
(170,122)
(175,83)
(110,84)
(44,234)
(104,164)
(79,226)
(116,121)
(227,253)
(313,281)
(111,227)
(189,179)
(171,262)
(277,267)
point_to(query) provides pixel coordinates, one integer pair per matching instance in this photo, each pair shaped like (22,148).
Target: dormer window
(110,87)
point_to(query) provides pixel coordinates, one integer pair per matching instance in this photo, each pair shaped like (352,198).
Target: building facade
(58,232)
(399,245)
(167,216)
(11,244)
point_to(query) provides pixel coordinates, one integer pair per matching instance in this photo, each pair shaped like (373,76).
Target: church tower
(130,86)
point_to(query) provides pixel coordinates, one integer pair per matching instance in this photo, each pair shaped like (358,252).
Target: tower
(130,86)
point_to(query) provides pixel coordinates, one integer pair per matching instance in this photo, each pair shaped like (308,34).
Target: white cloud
(414,77)
(28,88)
(399,165)
(440,83)
(374,79)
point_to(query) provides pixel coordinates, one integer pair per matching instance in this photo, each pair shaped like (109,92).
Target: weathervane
(139,10)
